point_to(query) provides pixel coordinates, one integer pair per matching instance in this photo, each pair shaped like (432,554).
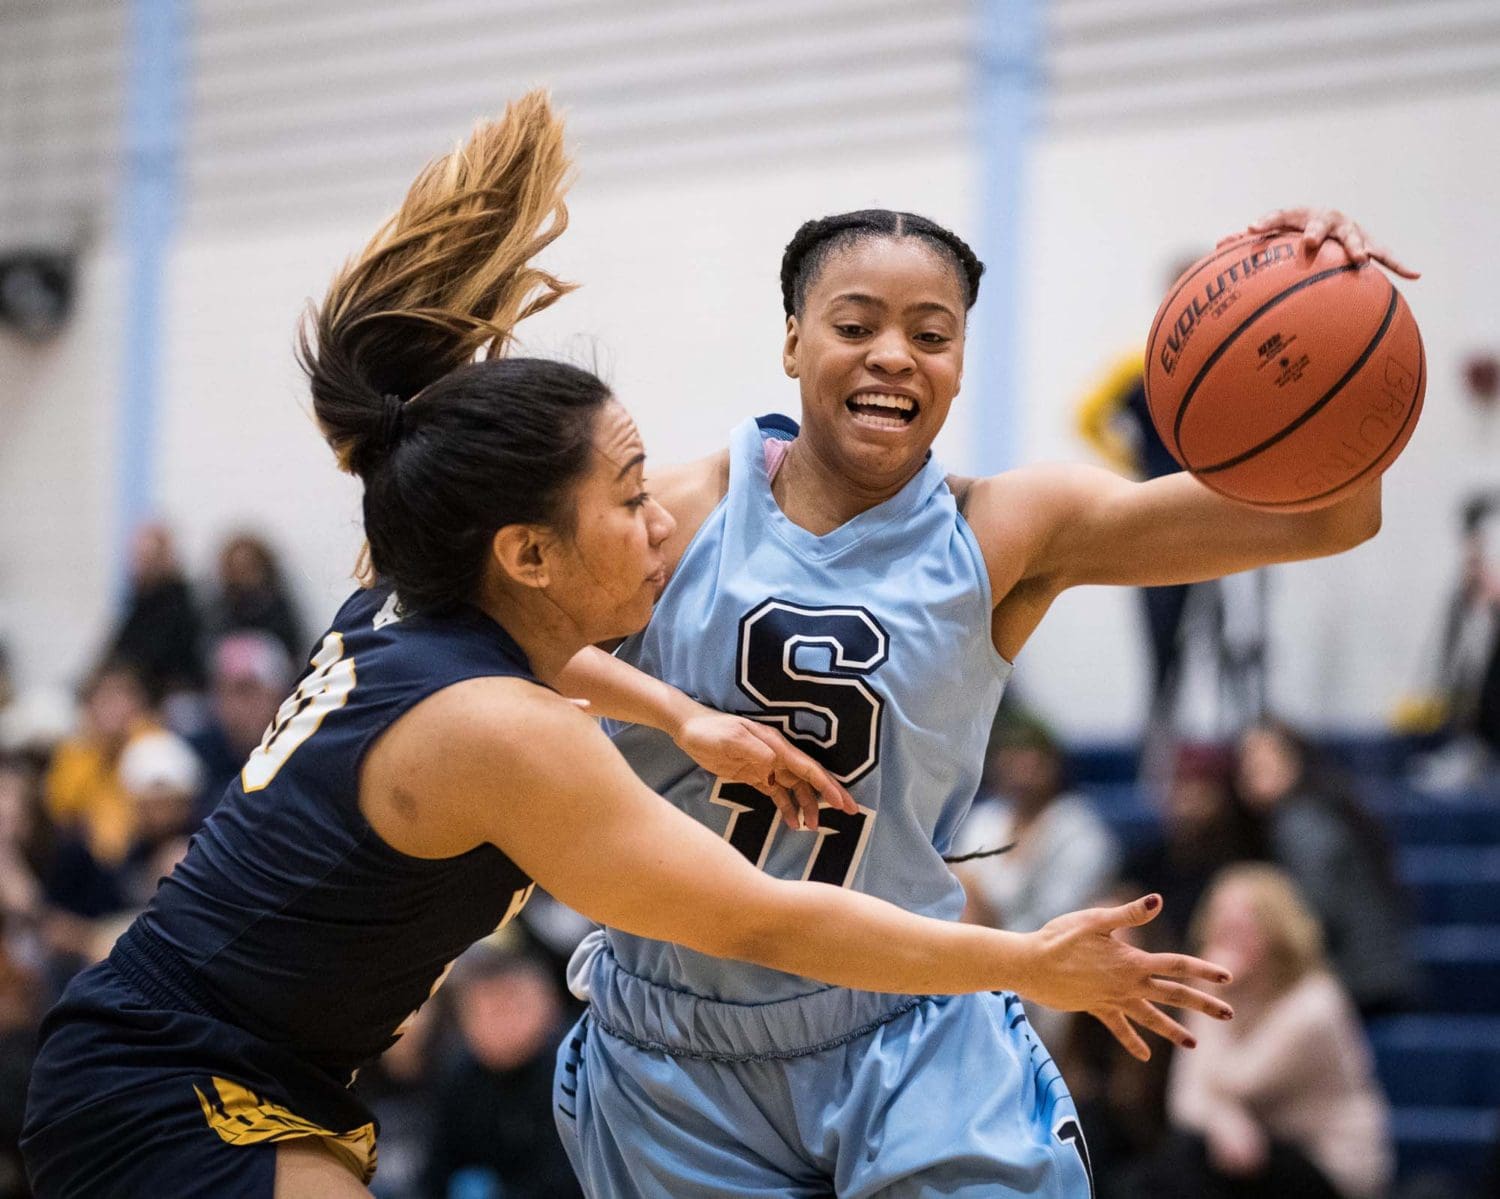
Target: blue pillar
(1009,81)
(153,103)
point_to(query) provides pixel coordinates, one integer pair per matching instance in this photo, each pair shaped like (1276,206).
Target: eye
(637,502)
(850,330)
(933,339)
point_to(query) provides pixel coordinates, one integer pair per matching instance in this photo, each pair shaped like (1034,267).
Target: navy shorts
(133,1097)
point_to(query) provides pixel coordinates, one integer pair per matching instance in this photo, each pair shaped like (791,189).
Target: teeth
(880,399)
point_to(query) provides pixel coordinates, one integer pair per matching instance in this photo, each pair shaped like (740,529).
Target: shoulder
(690,493)
(445,762)
(484,716)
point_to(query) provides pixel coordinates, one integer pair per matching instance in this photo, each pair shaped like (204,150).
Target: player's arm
(729,747)
(1044,529)
(502,761)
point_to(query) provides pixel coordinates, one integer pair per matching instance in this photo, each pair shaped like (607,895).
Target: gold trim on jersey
(241,1117)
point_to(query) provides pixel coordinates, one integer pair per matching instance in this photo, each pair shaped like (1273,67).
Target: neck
(545,633)
(815,494)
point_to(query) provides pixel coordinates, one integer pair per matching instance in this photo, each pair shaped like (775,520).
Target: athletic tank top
(290,917)
(870,648)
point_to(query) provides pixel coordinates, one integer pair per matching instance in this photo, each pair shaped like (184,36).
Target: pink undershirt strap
(776,448)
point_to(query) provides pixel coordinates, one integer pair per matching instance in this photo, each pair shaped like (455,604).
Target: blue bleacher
(1440,1066)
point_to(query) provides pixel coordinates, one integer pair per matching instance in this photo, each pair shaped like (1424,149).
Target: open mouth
(882,409)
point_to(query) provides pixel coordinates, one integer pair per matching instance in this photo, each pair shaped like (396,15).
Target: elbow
(1368,523)
(1351,523)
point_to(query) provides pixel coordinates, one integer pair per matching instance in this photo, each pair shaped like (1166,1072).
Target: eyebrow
(634,462)
(858,297)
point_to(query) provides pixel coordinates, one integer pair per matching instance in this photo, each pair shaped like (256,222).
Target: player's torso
(293,916)
(869,647)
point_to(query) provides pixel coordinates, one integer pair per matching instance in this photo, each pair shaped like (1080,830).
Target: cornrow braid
(816,241)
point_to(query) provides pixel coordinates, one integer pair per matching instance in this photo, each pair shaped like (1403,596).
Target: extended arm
(729,747)
(1044,529)
(502,761)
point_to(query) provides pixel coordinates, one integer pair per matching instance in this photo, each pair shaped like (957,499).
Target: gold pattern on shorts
(241,1117)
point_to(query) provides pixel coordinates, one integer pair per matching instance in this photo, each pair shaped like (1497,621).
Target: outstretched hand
(1085,967)
(1317,225)
(741,750)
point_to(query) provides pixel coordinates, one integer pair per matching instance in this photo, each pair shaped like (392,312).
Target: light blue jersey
(870,648)
(690,1077)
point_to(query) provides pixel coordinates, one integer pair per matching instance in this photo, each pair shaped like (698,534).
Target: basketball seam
(1166,305)
(1410,416)
(1223,347)
(1317,406)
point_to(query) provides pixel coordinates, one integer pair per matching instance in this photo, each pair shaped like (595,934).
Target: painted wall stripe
(152,134)
(1009,79)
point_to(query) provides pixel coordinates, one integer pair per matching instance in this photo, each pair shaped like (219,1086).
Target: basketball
(1282,380)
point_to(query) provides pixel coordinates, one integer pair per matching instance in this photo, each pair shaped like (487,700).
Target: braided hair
(817,241)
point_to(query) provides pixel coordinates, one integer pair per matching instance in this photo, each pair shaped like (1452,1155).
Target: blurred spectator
(1063,856)
(398,1088)
(159,630)
(1339,858)
(19,1013)
(26,855)
(1204,828)
(253,595)
(1282,1101)
(252,675)
(493,1122)
(162,778)
(83,787)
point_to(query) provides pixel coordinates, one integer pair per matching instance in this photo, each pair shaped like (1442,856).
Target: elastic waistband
(152,966)
(650,1016)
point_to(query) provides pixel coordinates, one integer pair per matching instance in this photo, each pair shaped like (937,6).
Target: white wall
(680,308)
(57,482)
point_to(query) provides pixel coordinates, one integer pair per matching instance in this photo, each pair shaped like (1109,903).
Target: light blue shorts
(664,1095)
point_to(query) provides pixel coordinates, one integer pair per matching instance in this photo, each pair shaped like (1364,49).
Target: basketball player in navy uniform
(424,772)
(833,582)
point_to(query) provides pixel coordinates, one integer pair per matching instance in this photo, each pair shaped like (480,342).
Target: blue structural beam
(148,212)
(1009,83)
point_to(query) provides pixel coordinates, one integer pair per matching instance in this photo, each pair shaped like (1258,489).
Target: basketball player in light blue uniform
(868,607)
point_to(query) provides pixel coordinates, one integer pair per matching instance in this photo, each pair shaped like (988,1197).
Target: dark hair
(816,241)
(451,449)
(1319,780)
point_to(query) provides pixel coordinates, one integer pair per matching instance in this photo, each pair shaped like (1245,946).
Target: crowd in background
(1268,864)
(1266,857)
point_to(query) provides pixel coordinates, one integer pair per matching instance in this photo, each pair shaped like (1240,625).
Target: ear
(789,348)
(523,554)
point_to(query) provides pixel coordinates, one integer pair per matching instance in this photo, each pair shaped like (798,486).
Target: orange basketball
(1283,381)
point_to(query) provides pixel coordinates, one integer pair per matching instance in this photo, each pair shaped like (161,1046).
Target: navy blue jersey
(290,917)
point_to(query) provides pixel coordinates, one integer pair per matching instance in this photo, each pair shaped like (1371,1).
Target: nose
(889,354)
(660,524)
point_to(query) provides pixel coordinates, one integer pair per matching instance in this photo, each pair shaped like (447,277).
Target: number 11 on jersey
(754,823)
(811,664)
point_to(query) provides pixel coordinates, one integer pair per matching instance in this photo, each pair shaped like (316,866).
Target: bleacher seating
(1440,1065)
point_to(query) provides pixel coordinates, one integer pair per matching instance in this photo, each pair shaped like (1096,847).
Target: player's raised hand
(745,751)
(1317,225)
(1084,966)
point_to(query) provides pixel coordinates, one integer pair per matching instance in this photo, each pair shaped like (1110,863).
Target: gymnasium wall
(705,134)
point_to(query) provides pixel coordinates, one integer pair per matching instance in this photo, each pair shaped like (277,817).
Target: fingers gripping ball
(1282,380)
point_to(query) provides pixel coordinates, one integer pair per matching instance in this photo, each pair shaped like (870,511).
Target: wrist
(1010,960)
(675,710)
